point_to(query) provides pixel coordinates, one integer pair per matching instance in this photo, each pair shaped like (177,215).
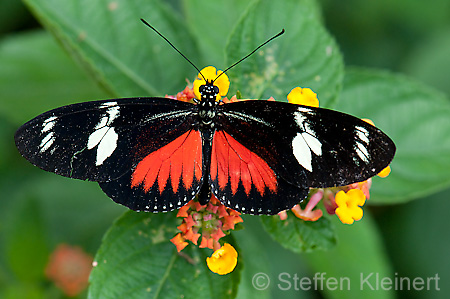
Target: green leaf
(13,14)
(25,240)
(304,56)
(6,148)
(35,61)
(299,235)
(72,211)
(212,22)
(137,260)
(416,118)
(359,253)
(429,62)
(120,52)
(254,254)
(29,291)
(418,229)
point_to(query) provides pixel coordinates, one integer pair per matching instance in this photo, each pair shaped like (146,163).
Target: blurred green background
(41,210)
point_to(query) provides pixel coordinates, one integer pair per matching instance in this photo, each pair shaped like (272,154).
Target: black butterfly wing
(105,141)
(303,146)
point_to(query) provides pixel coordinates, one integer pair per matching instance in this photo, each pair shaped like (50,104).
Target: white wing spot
(301,120)
(106,146)
(362,134)
(302,152)
(362,151)
(108,104)
(360,146)
(50,138)
(313,143)
(303,109)
(48,124)
(105,137)
(47,142)
(305,142)
(96,137)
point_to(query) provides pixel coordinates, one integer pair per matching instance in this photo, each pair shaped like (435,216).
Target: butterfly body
(206,113)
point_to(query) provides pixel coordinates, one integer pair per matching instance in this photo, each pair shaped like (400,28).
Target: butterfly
(156,154)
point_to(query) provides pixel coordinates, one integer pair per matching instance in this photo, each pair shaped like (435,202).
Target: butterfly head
(208,91)
(211,82)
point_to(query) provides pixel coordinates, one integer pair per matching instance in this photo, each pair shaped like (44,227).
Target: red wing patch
(180,160)
(232,162)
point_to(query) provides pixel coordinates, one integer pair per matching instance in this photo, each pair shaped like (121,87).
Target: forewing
(101,140)
(306,146)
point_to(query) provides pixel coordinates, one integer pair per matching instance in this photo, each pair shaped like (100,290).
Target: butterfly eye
(216,90)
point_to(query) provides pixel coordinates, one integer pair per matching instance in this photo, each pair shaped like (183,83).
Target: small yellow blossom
(210,73)
(349,205)
(369,121)
(303,96)
(385,172)
(223,260)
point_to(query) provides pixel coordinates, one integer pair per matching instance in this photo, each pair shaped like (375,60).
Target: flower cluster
(185,96)
(210,222)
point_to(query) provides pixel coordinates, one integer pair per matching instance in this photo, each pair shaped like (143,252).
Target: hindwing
(242,180)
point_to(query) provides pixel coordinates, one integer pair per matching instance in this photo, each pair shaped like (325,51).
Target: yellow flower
(349,205)
(210,73)
(385,172)
(303,96)
(223,260)
(369,121)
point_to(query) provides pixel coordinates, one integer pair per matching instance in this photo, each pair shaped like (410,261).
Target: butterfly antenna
(154,29)
(257,48)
